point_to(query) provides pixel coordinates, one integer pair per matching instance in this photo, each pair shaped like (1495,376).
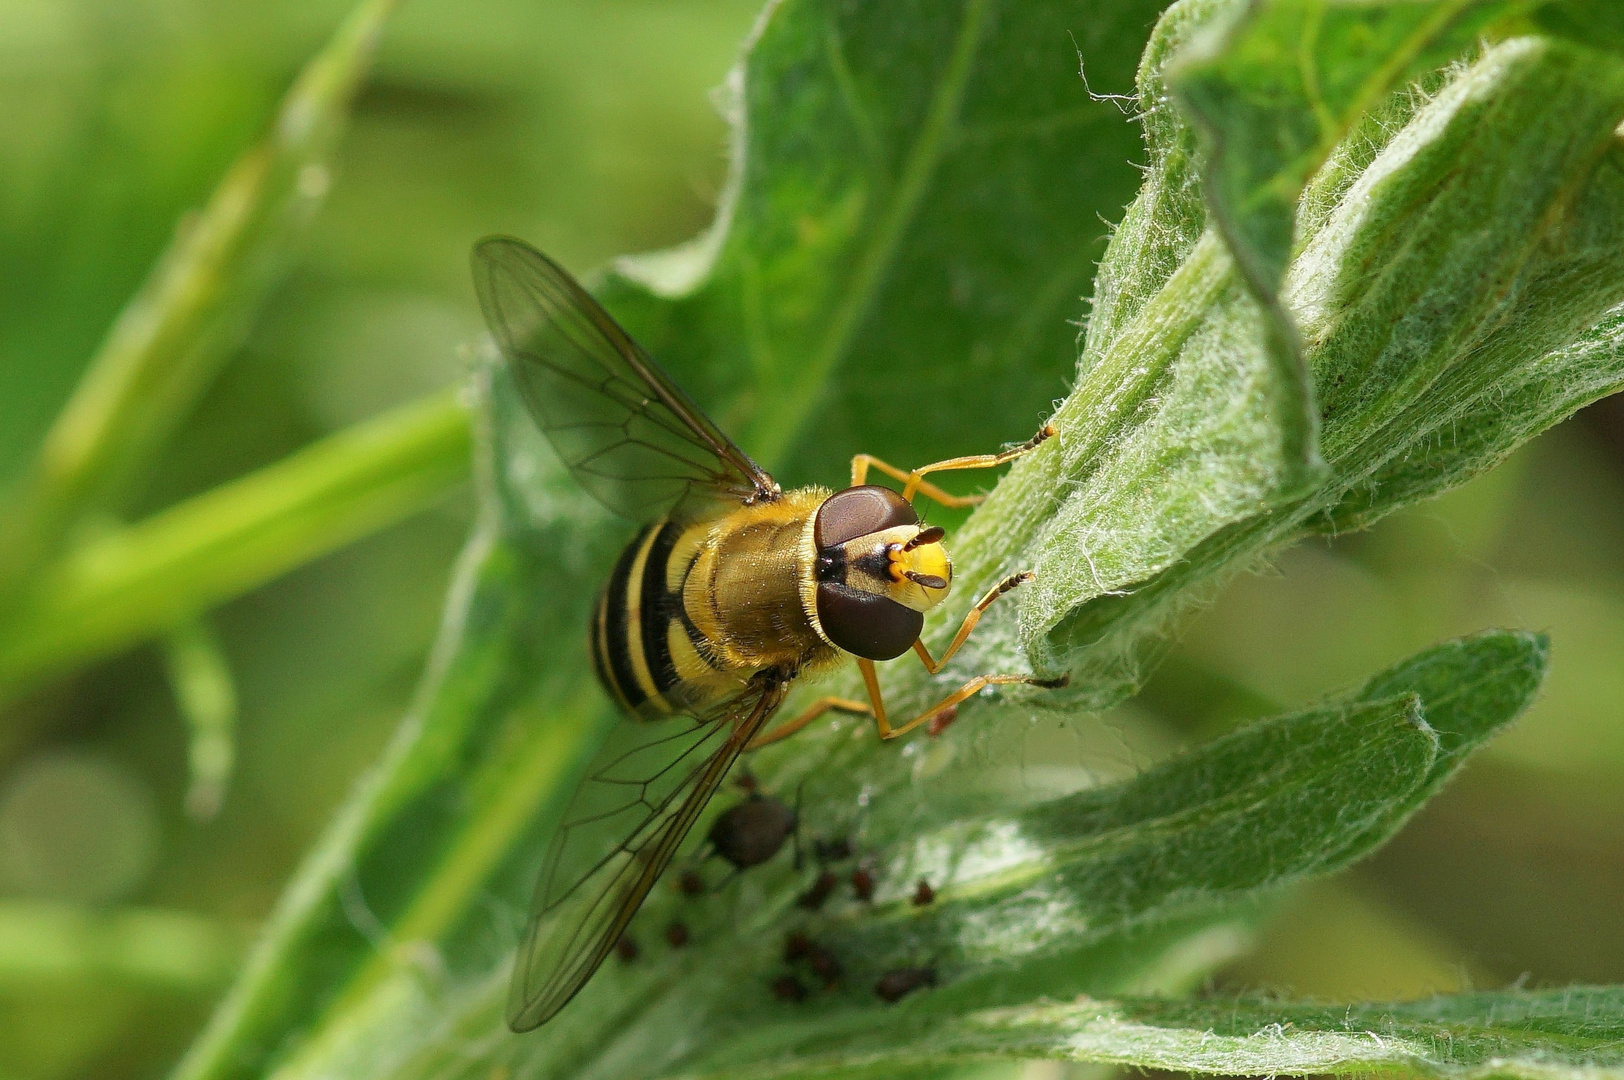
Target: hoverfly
(732,591)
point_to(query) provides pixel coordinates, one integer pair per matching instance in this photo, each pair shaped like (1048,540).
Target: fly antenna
(925,536)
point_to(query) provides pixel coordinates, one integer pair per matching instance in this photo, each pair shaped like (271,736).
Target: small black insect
(676,935)
(788,988)
(862,883)
(899,983)
(752,832)
(824,965)
(815,897)
(796,946)
(923,893)
(626,949)
(828,851)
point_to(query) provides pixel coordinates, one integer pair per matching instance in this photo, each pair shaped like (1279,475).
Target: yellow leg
(974,686)
(915,484)
(969,624)
(813,711)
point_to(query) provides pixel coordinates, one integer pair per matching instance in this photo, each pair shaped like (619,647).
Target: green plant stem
(177,332)
(136,583)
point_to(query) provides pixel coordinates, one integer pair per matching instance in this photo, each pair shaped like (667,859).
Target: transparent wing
(628,434)
(640,796)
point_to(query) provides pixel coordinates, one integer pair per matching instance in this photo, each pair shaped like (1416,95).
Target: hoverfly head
(878,571)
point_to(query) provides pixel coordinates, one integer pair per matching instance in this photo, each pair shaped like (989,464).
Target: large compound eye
(858,511)
(871,626)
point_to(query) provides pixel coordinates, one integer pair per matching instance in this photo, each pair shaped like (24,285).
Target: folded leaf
(1453,287)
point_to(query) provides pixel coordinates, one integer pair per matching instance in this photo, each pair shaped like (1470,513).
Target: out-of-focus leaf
(48,945)
(487,752)
(137,582)
(176,333)
(1595,23)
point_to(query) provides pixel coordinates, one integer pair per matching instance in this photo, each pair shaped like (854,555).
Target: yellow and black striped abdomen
(645,649)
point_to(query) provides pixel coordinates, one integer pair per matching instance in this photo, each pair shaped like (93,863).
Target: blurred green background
(587,128)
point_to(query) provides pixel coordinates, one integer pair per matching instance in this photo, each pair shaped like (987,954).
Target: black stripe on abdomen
(614,627)
(659,608)
(595,645)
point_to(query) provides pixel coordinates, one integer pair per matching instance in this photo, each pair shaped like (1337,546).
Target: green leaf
(1275,92)
(182,326)
(1595,23)
(1046,902)
(1537,1035)
(903,217)
(1280,86)
(1460,249)
(1532,329)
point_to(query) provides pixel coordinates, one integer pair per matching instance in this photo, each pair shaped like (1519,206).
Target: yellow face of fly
(905,563)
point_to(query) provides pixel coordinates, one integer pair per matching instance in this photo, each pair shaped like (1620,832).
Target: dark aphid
(690,883)
(939,723)
(626,949)
(676,935)
(752,832)
(899,983)
(788,988)
(824,965)
(862,883)
(828,851)
(923,893)
(815,897)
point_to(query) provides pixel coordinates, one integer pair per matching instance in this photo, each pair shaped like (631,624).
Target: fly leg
(813,711)
(969,624)
(914,482)
(969,689)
